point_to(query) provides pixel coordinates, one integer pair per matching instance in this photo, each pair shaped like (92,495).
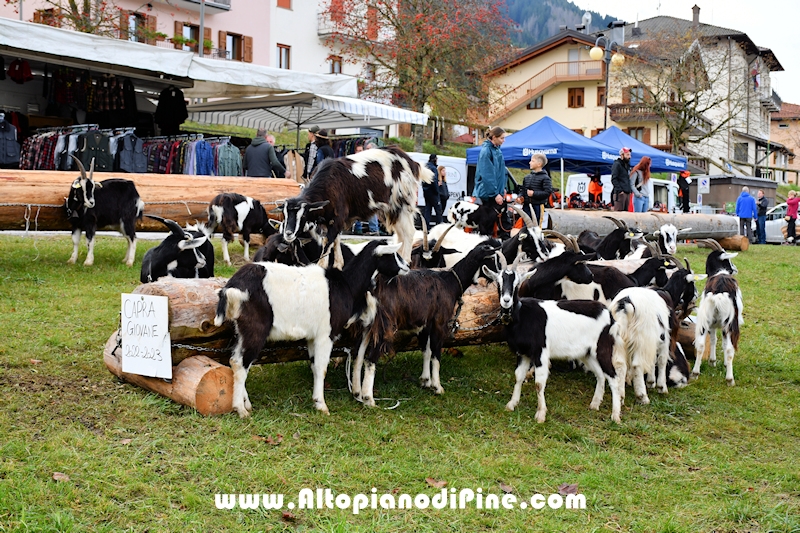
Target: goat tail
(425,174)
(230,304)
(139,209)
(640,345)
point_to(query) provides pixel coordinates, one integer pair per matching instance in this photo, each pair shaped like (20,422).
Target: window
(537,103)
(47,16)
(740,152)
(636,94)
(284,56)
(578,130)
(335,63)
(601,96)
(137,26)
(575,97)
(285,4)
(783,126)
(370,72)
(636,133)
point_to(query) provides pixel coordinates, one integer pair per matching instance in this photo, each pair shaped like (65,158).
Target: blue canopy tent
(563,147)
(661,161)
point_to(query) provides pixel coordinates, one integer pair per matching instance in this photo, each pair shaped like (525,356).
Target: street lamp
(604,53)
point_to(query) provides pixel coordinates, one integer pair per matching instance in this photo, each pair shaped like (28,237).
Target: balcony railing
(212,6)
(646,112)
(555,73)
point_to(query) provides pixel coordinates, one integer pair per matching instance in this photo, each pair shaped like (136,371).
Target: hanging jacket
(95,145)
(9,147)
(132,157)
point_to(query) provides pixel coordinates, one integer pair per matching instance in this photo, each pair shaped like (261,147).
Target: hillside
(539,19)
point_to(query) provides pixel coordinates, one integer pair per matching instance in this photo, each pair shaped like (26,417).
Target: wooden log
(573,221)
(178,197)
(737,243)
(199,382)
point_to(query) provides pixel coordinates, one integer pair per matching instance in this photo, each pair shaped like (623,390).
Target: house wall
(790,138)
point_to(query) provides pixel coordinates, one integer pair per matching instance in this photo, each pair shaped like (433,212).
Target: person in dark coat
(260,160)
(621,180)
(761,226)
(536,187)
(683,189)
(431,193)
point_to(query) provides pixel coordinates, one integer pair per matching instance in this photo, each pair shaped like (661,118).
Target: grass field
(705,458)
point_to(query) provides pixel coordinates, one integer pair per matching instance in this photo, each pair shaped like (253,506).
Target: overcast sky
(769,24)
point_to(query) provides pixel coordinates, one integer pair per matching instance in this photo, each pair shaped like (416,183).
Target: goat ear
(276,224)
(529,274)
(491,274)
(696,277)
(684,230)
(728,255)
(191,244)
(385,249)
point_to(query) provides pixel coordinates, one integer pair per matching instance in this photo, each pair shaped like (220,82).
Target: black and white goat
(302,251)
(481,217)
(185,253)
(720,309)
(274,302)
(666,236)
(98,204)
(423,302)
(546,280)
(430,253)
(539,331)
(353,188)
(614,245)
(236,213)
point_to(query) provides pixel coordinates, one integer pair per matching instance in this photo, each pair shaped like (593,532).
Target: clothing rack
(76,127)
(181,137)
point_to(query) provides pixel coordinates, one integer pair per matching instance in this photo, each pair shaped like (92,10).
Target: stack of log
(202,381)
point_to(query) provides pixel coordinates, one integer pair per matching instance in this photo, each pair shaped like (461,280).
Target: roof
(787,112)
(523,55)
(760,141)
(664,25)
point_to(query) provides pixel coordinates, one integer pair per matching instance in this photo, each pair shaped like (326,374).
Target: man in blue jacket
(746,210)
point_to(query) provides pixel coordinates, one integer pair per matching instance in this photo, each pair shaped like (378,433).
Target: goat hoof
(369,402)
(540,418)
(644,400)
(243,413)
(88,263)
(712,362)
(425,383)
(129,263)
(616,419)
(510,406)
(663,390)
(324,410)
(438,391)
(731,382)
(694,376)
(594,406)
(71,261)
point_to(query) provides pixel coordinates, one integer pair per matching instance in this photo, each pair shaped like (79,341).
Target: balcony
(554,74)
(624,113)
(212,6)
(771,102)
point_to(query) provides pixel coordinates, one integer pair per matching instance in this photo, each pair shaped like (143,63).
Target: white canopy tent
(297,110)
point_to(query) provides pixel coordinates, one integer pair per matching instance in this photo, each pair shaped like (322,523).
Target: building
(785,129)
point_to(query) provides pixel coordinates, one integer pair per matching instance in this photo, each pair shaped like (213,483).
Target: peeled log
(738,243)
(178,197)
(198,382)
(573,221)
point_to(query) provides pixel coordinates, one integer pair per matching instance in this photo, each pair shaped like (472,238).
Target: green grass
(705,458)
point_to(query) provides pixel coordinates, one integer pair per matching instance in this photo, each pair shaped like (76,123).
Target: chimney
(696,15)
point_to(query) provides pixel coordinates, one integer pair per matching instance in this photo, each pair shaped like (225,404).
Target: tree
(421,51)
(87,16)
(692,85)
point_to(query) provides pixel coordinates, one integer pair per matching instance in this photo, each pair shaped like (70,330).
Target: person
(271,139)
(596,189)
(536,187)
(310,153)
(762,203)
(621,180)
(640,175)
(791,212)
(490,175)
(260,159)
(444,190)
(430,191)
(683,189)
(324,150)
(746,211)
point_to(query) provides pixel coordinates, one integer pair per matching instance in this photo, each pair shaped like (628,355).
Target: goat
(423,256)
(382,180)
(539,331)
(720,309)
(531,241)
(610,246)
(422,301)
(182,254)
(666,236)
(92,205)
(302,251)
(482,218)
(273,302)
(238,214)
(544,281)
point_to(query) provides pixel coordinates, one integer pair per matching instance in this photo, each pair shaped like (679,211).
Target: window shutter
(646,136)
(123,24)
(595,132)
(626,95)
(152,27)
(178,33)
(372,23)
(247,55)
(223,40)
(206,36)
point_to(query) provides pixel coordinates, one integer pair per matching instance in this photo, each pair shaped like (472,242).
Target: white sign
(704,186)
(699,199)
(146,346)
(673,177)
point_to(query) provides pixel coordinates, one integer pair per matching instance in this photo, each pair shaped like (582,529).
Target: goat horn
(503,262)
(660,220)
(655,251)
(80,166)
(425,245)
(541,216)
(619,223)
(575,247)
(560,236)
(529,223)
(91,170)
(686,259)
(674,260)
(711,243)
(439,243)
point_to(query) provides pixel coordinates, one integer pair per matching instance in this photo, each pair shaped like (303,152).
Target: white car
(775,223)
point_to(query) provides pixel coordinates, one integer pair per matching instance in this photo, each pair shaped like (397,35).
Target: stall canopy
(557,142)
(661,161)
(297,110)
(201,77)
